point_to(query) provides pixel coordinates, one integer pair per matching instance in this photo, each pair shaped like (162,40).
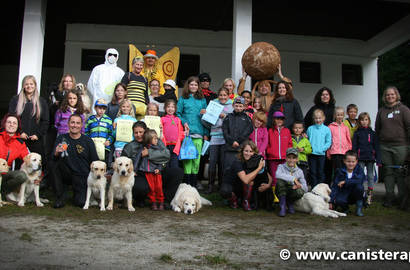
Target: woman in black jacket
(33,112)
(325,101)
(284,101)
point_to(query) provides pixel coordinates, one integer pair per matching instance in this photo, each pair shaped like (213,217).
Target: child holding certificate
(191,106)
(123,126)
(99,128)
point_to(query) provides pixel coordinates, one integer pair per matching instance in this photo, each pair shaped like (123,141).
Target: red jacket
(279,142)
(12,148)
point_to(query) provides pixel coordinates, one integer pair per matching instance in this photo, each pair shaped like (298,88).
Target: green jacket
(304,143)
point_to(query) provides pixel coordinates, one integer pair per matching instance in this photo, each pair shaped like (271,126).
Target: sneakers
(369,196)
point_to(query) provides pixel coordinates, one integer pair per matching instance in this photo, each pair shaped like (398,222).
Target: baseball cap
(292,151)
(240,100)
(101,102)
(278,114)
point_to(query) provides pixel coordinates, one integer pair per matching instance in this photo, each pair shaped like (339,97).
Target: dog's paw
(342,215)
(131,209)
(39,204)
(102,209)
(85,207)
(44,200)
(177,209)
(21,204)
(109,207)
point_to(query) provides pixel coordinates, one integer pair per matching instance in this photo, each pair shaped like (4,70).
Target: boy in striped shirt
(99,128)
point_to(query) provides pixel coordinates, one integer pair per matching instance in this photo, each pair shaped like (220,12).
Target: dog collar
(317,195)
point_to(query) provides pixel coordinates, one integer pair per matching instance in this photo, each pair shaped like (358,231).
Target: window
(309,72)
(188,66)
(352,74)
(91,58)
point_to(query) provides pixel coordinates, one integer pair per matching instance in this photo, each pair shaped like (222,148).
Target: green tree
(394,70)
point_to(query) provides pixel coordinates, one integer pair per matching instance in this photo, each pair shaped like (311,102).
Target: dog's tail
(205,201)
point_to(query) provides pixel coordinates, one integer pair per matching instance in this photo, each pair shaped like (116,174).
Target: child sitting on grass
(348,185)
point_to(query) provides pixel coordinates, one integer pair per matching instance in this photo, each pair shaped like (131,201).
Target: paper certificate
(153,122)
(205,147)
(212,112)
(124,130)
(100,147)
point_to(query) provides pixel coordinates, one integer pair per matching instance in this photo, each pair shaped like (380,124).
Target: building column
(241,36)
(32,41)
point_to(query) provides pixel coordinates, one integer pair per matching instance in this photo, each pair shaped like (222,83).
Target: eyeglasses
(112,54)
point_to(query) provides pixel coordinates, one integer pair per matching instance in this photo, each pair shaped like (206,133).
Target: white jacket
(104,77)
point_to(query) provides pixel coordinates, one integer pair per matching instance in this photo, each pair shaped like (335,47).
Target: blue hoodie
(320,139)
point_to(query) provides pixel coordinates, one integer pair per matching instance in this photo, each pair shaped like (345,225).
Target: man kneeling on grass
(72,157)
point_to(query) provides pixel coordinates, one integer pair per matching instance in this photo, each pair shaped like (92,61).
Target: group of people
(262,149)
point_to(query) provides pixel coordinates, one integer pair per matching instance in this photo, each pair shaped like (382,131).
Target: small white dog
(4,168)
(32,168)
(96,183)
(188,200)
(85,97)
(122,182)
(316,202)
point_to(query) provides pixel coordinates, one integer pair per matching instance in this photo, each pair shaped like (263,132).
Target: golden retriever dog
(32,168)
(4,168)
(316,202)
(188,200)
(96,183)
(122,182)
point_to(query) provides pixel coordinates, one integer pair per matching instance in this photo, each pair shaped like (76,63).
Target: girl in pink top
(341,141)
(172,132)
(260,134)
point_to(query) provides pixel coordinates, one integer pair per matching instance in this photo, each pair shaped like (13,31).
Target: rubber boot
(247,195)
(282,205)
(194,181)
(369,196)
(275,198)
(233,201)
(359,207)
(211,182)
(291,210)
(186,179)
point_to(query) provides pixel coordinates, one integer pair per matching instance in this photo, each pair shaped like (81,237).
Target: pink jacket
(166,121)
(261,139)
(341,141)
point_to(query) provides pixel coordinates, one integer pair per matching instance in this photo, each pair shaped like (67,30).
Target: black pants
(62,176)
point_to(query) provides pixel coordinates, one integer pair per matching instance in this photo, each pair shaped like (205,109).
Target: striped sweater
(99,128)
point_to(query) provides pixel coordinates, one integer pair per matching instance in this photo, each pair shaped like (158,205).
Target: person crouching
(348,185)
(291,183)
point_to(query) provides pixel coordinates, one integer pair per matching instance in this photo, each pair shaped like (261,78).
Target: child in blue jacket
(348,185)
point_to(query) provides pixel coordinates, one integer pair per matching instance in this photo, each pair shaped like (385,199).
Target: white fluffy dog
(188,200)
(32,168)
(316,202)
(96,183)
(85,97)
(122,182)
(4,168)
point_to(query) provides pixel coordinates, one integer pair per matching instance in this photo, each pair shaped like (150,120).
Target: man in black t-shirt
(72,157)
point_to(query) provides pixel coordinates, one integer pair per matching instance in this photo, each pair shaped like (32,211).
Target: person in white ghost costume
(104,77)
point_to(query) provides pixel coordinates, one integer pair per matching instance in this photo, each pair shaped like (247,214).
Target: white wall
(214,49)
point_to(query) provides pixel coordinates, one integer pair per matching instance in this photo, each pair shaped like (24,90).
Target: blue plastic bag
(188,149)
